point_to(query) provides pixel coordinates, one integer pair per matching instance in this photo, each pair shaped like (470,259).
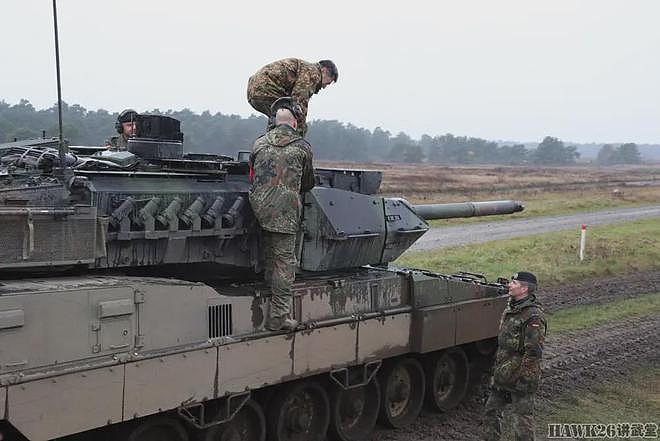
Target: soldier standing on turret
(517,368)
(293,78)
(125,127)
(281,164)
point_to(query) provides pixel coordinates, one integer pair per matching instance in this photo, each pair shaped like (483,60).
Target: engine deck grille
(220,321)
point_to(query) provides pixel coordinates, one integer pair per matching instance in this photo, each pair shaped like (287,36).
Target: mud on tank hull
(120,356)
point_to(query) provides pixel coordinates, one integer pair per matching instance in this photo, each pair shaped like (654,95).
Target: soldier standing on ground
(125,127)
(281,163)
(293,78)
(517,369)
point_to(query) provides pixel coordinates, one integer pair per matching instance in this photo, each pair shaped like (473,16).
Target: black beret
(524,276)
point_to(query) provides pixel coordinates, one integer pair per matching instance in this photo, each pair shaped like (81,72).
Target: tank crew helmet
(286,102)
(125,116)
(524,276)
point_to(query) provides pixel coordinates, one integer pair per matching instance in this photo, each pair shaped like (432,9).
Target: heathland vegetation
(332,140)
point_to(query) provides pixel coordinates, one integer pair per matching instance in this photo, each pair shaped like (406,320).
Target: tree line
(332,140)
(627,153)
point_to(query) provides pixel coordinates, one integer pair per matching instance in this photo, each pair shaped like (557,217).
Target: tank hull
(107,351)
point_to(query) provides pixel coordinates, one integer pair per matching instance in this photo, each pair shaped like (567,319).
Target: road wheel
(298,412)
(353,412)
(249,424)
(159,428)
(402,386)
(447,376)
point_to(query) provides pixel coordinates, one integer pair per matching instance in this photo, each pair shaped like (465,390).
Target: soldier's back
(280,158)
(275,79)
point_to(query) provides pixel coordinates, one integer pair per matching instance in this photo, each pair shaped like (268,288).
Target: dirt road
(572,361)
(440,237)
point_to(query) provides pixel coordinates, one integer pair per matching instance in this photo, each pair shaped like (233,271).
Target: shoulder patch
(536,322)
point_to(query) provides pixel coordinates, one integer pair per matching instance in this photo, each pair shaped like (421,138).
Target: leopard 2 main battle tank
(131,305)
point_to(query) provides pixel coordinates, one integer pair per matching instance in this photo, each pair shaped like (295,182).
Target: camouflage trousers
(522,410)
(262,105)
(279,269)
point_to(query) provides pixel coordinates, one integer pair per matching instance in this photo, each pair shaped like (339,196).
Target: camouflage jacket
(520,346)
(288,77)
(282,164)
(119,142)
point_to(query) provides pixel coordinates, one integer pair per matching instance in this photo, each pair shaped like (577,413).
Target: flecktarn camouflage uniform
(517,369)
(282,164)
(292,77)
(118,142)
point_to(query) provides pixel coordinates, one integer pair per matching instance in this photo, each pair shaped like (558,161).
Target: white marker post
(583,240)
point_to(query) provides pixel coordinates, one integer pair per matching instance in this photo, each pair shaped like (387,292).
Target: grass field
(553,257)
(589,316)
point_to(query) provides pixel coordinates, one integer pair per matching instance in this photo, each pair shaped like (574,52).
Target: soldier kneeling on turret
(281,166)
(517,369)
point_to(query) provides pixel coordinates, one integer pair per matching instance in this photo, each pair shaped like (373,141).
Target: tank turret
(153,205)
(343,229)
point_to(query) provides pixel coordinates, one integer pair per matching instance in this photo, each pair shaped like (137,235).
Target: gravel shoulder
(442,237)
(573,361)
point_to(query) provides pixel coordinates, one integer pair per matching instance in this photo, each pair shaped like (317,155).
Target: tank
(132,305)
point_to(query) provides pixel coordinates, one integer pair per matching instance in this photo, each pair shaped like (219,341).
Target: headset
(127,115)
(286,102)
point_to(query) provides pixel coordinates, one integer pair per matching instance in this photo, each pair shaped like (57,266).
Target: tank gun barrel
(467,209)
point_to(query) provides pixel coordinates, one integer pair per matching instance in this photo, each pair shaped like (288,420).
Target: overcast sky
(498,69)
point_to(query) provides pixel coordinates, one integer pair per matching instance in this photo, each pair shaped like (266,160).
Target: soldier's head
(285,116)
(522,283)
(125,124)
(329,73)
(285,110)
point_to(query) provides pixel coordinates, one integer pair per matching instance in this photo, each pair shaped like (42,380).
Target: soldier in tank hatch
(293,78)
(281,166)
(517,369)
(125,127)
